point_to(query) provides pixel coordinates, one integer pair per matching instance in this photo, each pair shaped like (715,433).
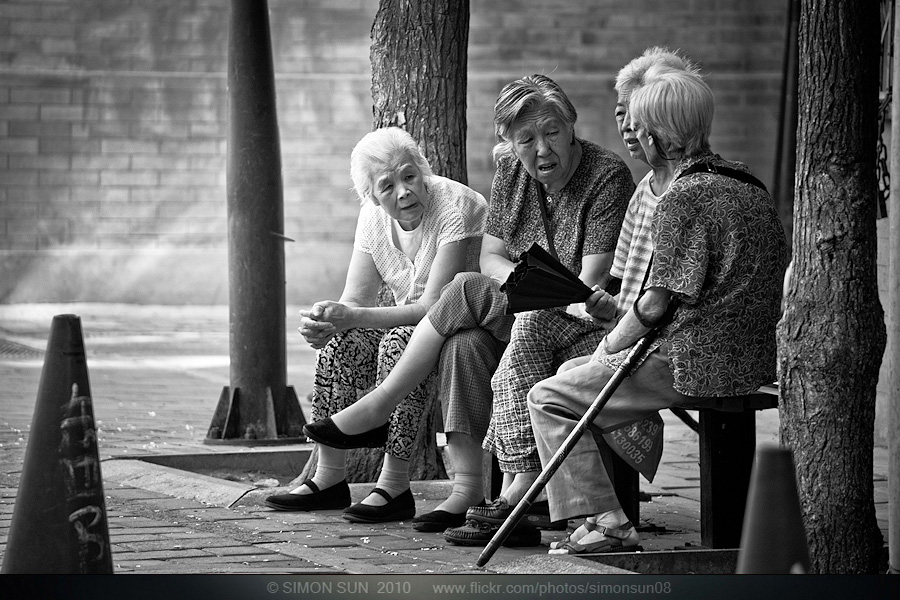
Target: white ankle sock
(393,479)
(466,492)
(326,476)
(329,471)
(613,518)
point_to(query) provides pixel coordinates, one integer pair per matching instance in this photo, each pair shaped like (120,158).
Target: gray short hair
(632,75)
(378,150)
(676,108)
(524,95)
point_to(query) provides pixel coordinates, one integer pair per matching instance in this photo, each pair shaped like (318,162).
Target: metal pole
(258,405)
(894,320)
(786,148)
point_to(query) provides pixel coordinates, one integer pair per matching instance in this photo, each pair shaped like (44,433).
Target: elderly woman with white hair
(713,290)
(416,231)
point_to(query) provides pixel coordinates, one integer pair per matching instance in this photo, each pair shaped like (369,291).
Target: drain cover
(10,349)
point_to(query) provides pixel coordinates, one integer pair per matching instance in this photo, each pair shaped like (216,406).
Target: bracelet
(605,343)
(641,318)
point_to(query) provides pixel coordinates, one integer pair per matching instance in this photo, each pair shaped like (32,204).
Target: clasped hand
(601,307)
(322,321)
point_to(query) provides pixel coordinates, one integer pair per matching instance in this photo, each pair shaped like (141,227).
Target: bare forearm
(651,306)
(385,317)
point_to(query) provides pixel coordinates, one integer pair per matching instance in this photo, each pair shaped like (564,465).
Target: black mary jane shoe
(439,520)
(397,509)
(327,433)
(331,498)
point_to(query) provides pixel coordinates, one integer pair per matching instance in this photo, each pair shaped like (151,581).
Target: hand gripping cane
(596,406)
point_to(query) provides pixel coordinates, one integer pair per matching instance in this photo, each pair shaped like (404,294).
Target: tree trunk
(419,68)
(832,335)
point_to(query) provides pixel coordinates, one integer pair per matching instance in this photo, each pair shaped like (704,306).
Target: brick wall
(113,123)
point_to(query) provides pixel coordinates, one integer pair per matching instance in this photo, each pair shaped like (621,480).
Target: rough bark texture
(832,335)
(419,68)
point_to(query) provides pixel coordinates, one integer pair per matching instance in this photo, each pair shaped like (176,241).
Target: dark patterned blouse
(720,248)
(585,216)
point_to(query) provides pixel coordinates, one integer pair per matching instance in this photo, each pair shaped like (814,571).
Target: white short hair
(676,108)
(378,150)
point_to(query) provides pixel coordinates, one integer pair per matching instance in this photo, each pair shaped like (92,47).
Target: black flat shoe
(397,509)
(331,498)
(439,520)
(327,433)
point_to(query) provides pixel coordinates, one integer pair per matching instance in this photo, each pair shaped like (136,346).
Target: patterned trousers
(352,364)
(540,342)
(471,315)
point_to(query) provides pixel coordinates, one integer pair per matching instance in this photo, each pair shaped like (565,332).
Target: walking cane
(596,406)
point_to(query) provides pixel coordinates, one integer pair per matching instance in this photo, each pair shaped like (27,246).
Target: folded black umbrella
(541,281)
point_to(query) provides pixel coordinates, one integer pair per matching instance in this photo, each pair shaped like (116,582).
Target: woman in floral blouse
(718,260)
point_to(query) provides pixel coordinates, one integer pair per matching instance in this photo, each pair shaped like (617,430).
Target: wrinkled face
(400,191)
(629,137)
(544,145)
(648,145)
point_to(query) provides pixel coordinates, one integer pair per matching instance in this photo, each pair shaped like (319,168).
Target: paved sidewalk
(156,374)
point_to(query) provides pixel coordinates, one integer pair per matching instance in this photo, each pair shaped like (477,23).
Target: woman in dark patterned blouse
(719,255)
(568,195)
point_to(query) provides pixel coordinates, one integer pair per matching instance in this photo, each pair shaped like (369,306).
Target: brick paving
(156,373)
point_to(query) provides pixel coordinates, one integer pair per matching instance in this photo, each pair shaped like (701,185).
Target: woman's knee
(533,324)
(572,363)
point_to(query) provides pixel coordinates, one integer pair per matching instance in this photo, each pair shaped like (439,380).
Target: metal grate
(10,349)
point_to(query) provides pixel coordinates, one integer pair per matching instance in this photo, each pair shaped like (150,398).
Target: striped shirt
(635,246)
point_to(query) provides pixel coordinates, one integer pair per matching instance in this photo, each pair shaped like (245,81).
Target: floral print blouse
(719,247)
(585,216)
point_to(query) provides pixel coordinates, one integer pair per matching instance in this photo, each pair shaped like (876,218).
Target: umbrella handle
(565,448)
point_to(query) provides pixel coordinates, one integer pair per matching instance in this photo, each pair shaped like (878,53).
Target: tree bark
(832,335)
(419,68)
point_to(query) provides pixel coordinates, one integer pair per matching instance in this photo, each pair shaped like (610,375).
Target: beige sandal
(576,535)
(602,539)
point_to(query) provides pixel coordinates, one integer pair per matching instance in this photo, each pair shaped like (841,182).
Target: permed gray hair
(523,95)
(632,75)
(676,108)
(379,150)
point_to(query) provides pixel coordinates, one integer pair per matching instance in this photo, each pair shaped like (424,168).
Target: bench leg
(727,446)
(627,486)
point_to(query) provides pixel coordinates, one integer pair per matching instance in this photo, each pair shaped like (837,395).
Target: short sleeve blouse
(585,216)
(719,247)
(455,212)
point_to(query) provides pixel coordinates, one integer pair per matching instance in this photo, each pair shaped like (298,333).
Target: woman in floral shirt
(719,258)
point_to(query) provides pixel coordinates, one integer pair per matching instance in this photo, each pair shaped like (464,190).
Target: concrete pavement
(156,374)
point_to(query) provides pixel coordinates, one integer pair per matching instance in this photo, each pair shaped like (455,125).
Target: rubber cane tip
(773,541)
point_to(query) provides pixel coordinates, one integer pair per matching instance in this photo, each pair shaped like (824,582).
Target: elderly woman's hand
(324,319)
(600,307)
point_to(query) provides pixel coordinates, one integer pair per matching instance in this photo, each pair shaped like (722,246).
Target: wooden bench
(727,428)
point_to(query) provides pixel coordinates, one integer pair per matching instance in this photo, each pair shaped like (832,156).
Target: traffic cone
(773,539)
(59,521)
